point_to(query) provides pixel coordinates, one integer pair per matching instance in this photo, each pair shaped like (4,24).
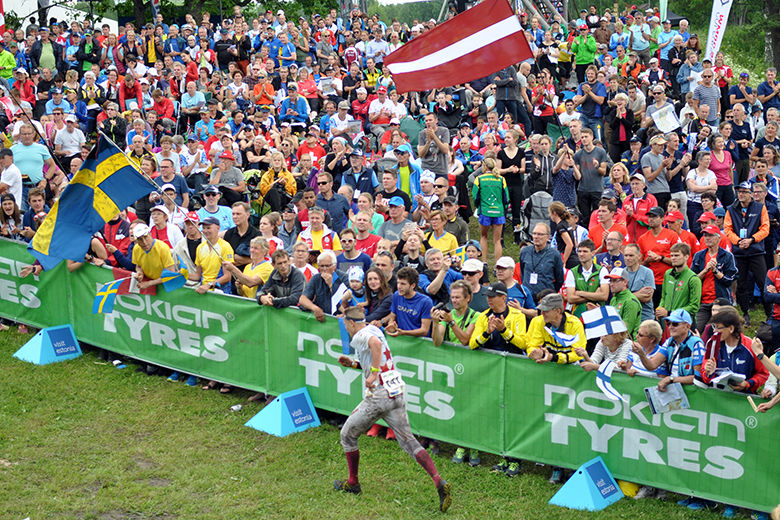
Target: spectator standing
(541,265)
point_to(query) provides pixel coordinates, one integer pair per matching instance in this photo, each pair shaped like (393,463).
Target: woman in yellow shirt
(439,238)
(277,175)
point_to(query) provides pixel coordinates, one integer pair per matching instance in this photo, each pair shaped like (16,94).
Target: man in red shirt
(311,146)
(636,206)
(656,247)
(674,221)
(717,271)
(620,215)
(606,223)
(708,218)
(366,241)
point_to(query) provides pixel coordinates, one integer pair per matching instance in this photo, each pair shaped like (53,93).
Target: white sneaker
(644,492)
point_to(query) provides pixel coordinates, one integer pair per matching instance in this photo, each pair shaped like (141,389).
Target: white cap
(163,209)
(167,186)
(427,175)
(506,262)
(141,230)
(472,265)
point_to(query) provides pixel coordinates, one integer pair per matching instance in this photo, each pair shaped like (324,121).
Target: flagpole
(151,181)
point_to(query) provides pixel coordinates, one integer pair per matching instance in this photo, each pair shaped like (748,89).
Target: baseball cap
(382,90)
(658,139)
(163,209)
(745,186)
(290,207)
(361,90)
(395,201)
(343,105)
(192,216)
(406,147)
(226,155)
(719,212)
(71,117)
(56,90)
(635,139)
(395,121)
(357,152)
(583,27)
(209,220)
(656,211)
(293,86)
(550,302)
(506,262)
(141,230)
(167,186)
(711,230)
(496,289)
(639,176)
(211,189)
(679,316)
(608,193)
(449,199)
(472,265)
(707,215)
(654,60)
(674,215)
(617,273)
(667,21)
(465,124)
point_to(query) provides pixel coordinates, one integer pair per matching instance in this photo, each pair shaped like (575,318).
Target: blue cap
(680,316)
(395,201)
(406,147)
(357,152)
(719,212)
(745,186)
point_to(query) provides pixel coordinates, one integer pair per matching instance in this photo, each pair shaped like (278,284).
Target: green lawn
(83,440)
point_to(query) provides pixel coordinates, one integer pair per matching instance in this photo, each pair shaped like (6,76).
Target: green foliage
(405,13)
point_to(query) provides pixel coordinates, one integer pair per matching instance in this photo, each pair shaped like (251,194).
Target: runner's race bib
(393,383)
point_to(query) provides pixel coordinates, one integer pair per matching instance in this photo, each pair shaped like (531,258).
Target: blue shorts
(491,221)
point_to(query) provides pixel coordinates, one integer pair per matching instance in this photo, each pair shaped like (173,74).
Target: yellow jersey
(210,260)
(263,270)
(538,337)
(153,262)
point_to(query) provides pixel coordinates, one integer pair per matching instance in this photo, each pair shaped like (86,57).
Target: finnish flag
(602,321)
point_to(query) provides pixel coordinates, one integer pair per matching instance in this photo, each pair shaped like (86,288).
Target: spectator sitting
(324,290)
(410,311)
(613,347)
(209,257)
(285,284)
(648,336)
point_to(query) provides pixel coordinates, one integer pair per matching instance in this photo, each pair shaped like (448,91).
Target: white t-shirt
(13,178)
(186,158)
(699,181)
(70,141)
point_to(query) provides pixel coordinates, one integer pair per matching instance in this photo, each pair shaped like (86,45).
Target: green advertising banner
(718,449)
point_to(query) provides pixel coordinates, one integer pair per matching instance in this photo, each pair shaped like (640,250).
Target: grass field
(82,440)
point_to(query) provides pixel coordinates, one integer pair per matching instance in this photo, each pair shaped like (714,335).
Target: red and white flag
(478,42)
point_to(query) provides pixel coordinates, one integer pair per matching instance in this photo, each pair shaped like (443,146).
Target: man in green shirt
(586,284)
(682,287)
(627,305)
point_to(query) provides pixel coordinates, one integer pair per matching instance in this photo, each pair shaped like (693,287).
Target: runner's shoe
(556,477)
(445,495)
(174,377)
(513,469)
(343,485)
(500,467)
(191,381)
(374,431)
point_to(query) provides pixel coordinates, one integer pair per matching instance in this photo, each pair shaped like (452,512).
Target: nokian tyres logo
(178,327)
(319,359)
(650,443)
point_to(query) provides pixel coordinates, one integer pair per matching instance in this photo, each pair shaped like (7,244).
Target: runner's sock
(353,458)
(424,460)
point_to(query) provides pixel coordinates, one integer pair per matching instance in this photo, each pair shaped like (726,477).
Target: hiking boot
(513,469)
(460,455)
(445,495)
(500,467)
(343,485)
(174,378)
(474,457)
(556,477)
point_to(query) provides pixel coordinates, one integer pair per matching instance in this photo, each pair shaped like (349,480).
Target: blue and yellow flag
(459,252)
(172,281)
(105,184)
(104,299)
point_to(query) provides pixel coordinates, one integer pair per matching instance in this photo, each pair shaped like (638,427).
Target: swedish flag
(105,184)
(104,299)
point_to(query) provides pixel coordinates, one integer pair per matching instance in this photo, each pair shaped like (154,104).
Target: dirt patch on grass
(125,515)
(144,463)
(156,482)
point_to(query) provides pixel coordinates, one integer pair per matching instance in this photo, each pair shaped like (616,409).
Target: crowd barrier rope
(719,449)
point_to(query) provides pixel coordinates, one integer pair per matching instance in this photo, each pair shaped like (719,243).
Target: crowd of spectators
(291,170)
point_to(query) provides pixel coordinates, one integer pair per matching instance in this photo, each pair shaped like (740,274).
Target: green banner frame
(719,449)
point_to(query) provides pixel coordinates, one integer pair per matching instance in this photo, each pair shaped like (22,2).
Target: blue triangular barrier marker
(50,345)
(591,487)
(290,412)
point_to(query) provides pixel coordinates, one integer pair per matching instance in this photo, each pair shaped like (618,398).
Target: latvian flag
(476,43)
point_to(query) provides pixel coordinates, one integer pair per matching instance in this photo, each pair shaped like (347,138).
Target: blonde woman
(277,185)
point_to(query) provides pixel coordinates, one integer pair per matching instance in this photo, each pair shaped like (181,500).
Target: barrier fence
(718,449)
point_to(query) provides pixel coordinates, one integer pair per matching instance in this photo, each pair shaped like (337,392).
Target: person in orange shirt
(747,226)
(708,218)
(606,223)
(263,93)
(637,205)
(620,215)
(656,246)
(674,221)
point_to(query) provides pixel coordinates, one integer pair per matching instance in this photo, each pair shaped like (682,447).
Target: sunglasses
(442,185)
(322,183)
(211,194)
